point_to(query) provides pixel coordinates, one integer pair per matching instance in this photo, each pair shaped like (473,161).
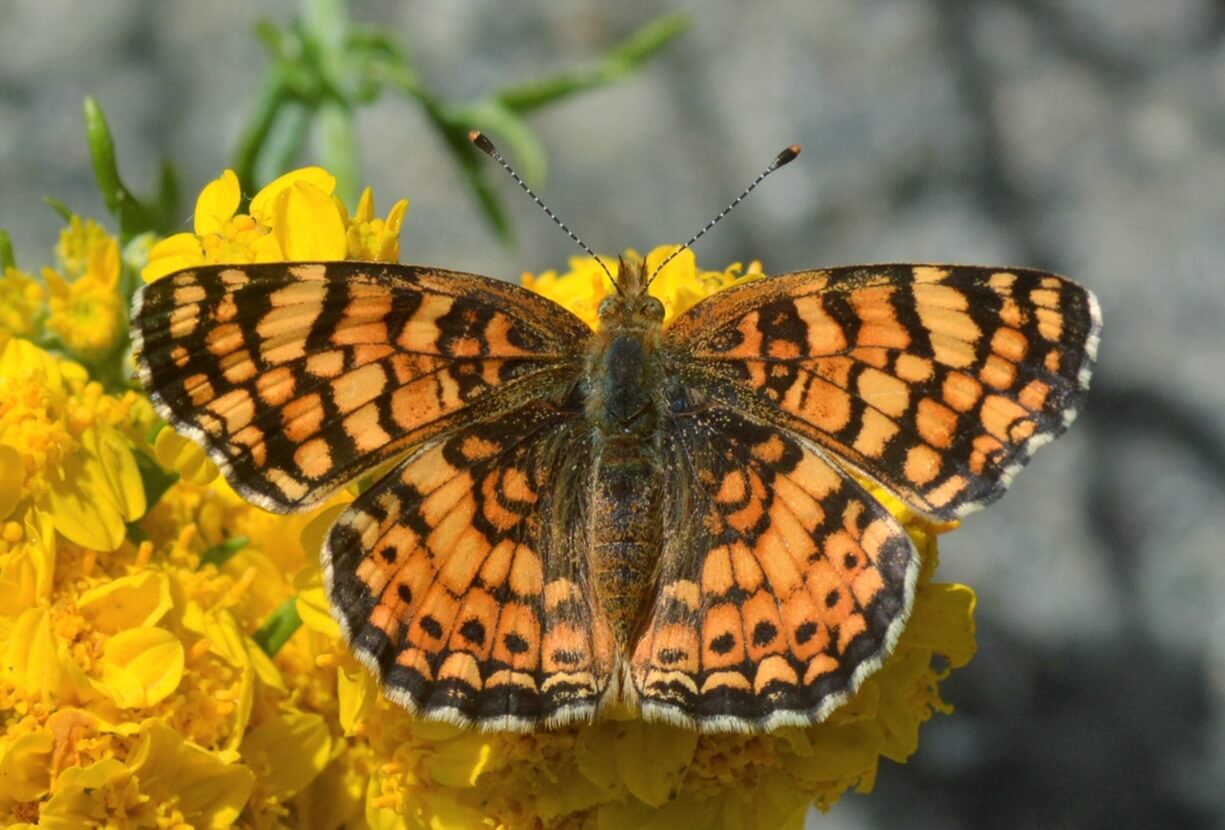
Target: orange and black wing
(462,577)
(937,381)
(782,583)
(300,377)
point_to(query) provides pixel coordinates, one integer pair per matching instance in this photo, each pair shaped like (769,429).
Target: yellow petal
(652,758)
(365,207)
(307,226)
(288,751)
(124,484)
(25,766)
(128,602)
(27,575)
(217,203)
(174,253)
(31,661)
(262,204)
(141,666)
(943,622)
(837,752)
(97,490)
(395,219)
(460,761)
(184,456)
(356,693)
(266,249)
(12,473)
(209,792)
(83,797)
(316,612)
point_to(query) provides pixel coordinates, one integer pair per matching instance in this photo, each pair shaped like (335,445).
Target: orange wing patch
(299,378)
(788,590)
(939,382)
(455,581)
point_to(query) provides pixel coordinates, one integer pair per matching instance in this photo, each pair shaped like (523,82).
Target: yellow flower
(21,303)
(76,462)
(371,238)
(87,310)
(293,218)
(80,241)
(678,286)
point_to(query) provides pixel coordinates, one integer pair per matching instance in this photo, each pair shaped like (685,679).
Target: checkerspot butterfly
(665,516)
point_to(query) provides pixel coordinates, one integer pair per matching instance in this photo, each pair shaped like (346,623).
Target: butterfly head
(631,306)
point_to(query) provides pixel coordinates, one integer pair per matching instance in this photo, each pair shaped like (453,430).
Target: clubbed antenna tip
(483,144)
(785,157)
(782,158)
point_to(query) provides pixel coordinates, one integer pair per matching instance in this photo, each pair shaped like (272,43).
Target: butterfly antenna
(782,158)
(483,144)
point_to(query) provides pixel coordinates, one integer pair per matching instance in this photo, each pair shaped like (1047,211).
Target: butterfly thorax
(624,406)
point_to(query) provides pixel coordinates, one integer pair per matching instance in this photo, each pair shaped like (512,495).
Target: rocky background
(1083,136)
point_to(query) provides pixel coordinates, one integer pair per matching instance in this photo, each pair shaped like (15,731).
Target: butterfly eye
(607,306)
(653,308)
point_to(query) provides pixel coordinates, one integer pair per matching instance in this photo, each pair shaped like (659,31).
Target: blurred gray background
(1083,136)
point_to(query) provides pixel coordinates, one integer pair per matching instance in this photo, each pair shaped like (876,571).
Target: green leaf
(155,479)
(221,553)
(276,631)
(59,207)
(511,132)
(7,259)
(126,208)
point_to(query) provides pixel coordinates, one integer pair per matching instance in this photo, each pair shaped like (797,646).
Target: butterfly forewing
(298,378)
(937,381)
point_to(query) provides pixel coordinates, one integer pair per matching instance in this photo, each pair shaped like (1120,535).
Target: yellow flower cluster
(294,219)
(168,656)
(679,285)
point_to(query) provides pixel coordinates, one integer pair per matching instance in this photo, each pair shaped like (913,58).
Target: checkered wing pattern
(298,378)
(938,382)
(462,577)
(782,583)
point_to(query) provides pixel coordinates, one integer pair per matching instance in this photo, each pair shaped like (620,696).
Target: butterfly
(668,516)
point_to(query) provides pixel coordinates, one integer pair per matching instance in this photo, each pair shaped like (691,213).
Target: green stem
(622,59)
(7,259)
(338,136)
(272,97)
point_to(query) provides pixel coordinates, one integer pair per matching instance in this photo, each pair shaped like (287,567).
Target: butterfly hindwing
(937,381)
(300,377)
(783,588)
(462,577)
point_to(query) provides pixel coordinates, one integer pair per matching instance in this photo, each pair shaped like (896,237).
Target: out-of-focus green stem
(7,259)
(338,138)
(622,59)
(272,97)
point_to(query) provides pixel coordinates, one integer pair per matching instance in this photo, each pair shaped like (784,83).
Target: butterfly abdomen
(627,520)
